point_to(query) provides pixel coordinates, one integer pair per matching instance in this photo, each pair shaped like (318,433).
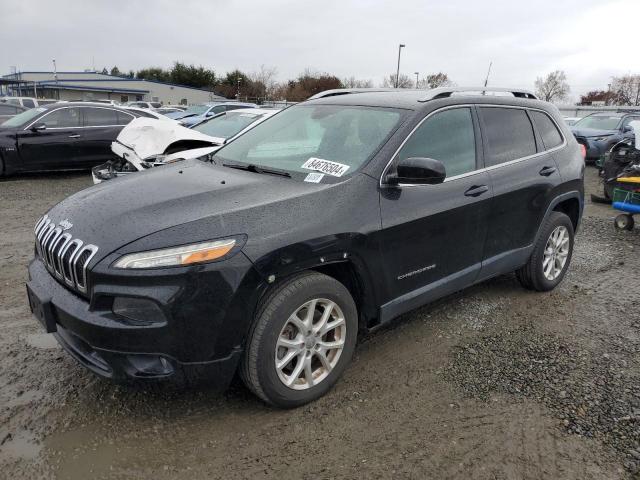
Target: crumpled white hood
(149,137)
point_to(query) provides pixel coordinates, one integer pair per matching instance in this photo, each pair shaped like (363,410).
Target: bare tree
(435,80)
(626,90)
(553,87)
(404,81)
(266,77)
(353,82)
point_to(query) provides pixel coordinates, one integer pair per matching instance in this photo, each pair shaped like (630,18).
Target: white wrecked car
(146,142)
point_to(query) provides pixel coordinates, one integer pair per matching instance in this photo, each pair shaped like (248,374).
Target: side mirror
(38,127)
(418,171)
(628,129)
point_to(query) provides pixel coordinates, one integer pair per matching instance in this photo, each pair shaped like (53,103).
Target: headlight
(178,256)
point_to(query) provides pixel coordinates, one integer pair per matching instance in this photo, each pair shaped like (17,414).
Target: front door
(433,235)
(55,146)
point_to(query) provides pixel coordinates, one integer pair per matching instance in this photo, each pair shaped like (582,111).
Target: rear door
(433,235)
(101,127)
(524,175)
(55,146)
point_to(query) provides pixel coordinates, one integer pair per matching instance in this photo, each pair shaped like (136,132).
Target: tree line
(263,84)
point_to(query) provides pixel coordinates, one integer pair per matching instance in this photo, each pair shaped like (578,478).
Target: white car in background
(146,142)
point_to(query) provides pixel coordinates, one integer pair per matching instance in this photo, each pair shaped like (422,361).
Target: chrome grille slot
(65,257)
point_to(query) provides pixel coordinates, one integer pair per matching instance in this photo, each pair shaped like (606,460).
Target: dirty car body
(316,189)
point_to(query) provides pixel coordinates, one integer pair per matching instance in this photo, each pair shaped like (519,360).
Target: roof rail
(434,93)
(345,91)
(443,92)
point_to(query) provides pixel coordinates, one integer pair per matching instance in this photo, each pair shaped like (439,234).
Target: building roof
(69,86)
(107,78)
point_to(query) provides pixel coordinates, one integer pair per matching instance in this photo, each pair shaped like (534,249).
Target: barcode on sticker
(314,177)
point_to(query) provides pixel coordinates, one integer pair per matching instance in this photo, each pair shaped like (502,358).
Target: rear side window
(124,118)
(100,117)
(509,134)
(27,102)
(447,136)
(551,137)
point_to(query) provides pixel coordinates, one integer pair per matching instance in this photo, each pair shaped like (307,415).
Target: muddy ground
(495,382)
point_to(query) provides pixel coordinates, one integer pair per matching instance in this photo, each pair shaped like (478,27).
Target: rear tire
(302,340)
(551,255)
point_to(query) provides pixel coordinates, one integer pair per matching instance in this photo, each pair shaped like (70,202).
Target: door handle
(75,135)
(546,171)
(476,190)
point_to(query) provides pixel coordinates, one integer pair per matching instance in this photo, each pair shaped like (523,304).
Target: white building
(100,86)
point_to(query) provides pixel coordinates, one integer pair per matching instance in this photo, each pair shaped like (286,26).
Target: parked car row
(58,135)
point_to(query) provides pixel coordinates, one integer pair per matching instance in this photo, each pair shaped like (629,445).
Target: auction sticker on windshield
(334,169)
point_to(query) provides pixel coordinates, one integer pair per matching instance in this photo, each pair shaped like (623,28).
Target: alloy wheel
(310,344)
(556,252)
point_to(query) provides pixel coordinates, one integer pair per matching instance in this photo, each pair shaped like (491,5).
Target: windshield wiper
(250,167)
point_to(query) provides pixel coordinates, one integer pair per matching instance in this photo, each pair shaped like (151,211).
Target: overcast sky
(591,40)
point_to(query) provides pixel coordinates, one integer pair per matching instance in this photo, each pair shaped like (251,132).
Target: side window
(124,118)
(509,134)
(63,118)
(447,136)
(234,107)
(551,137)
(27,102)
(216,110)
(7,109)
(100,117)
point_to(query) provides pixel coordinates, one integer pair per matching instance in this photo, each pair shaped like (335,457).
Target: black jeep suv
(334,216)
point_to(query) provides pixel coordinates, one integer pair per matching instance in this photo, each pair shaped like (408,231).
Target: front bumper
(199,339)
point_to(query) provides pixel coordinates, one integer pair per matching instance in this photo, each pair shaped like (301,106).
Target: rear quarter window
(509,134)
(551,136)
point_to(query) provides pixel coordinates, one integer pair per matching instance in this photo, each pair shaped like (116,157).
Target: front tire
(551,255)
(302,340)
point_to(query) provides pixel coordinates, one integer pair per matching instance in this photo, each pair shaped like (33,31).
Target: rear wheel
(302,340)
(551,255)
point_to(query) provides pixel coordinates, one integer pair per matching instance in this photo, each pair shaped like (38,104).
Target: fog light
(139,310)
(150,365)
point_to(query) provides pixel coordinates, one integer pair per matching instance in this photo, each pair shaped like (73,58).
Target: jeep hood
(148,137)
(205,200)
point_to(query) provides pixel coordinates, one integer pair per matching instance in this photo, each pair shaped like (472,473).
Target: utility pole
(400,47)
(417,74)
(238,93)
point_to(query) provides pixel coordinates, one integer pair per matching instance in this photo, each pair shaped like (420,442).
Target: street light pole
(238,94)
(417,73)
(400,47)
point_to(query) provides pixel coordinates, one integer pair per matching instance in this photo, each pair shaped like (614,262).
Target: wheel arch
(571,202)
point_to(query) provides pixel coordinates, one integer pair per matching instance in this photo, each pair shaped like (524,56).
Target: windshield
(599,122)
(197,109)
(227,125)
(23,117)
(333,139)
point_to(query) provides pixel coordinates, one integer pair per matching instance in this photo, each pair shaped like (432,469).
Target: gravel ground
(495,382)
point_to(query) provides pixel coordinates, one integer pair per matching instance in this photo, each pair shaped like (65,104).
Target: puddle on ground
(20,445)
(42,341)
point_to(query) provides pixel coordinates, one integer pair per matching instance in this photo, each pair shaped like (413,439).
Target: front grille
(65,257)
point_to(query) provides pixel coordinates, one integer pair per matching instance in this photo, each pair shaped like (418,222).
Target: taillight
(583,151)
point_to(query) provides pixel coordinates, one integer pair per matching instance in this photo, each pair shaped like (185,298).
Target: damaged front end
(147,143)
